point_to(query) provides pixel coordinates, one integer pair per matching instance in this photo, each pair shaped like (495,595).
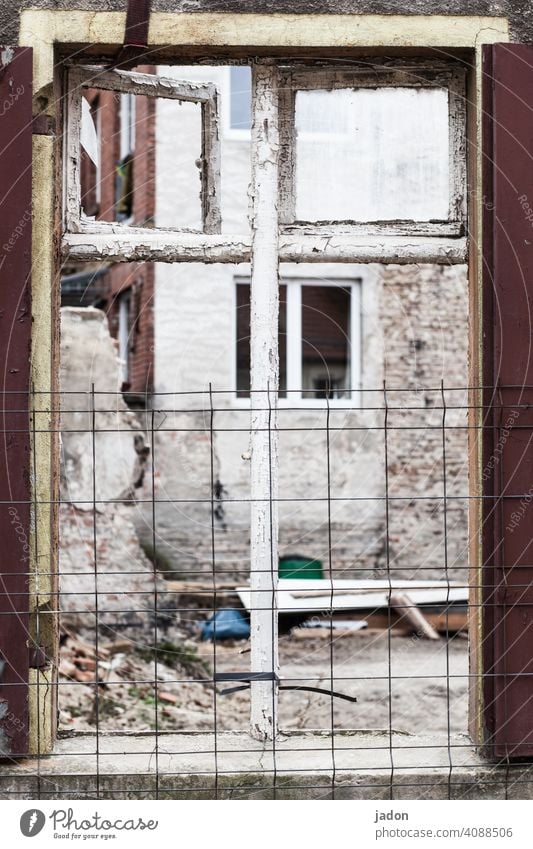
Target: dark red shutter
(15,336)
(507,539)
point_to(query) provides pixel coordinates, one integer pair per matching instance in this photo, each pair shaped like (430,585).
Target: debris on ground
(172,689)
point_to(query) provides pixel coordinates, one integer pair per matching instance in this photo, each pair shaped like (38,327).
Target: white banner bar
(413,824)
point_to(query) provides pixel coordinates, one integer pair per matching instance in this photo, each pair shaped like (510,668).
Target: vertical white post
(264,398)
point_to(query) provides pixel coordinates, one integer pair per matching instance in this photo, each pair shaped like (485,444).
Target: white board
(307,596)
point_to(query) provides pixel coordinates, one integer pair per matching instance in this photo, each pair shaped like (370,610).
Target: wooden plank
(292,597)
(343,633)
(147,85)
(408,612)
(451,621)
(100,240)
(211,165)
(507,463)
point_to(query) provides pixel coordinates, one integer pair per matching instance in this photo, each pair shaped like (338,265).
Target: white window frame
(350,243)
(147,85)
(294,345)
(373,75)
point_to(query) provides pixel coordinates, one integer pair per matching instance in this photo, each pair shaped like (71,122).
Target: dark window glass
(243,340)
(325,342)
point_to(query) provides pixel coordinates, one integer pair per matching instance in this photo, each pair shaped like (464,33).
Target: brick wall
(424,311)
(137,278)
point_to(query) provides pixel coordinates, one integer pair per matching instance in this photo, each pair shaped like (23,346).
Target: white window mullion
(264,313)
(294,342)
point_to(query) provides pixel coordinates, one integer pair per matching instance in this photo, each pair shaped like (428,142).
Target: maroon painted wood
(507,534)
(15,336)
(135,34)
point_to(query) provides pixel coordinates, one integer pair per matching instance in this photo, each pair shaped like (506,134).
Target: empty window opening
(362,431)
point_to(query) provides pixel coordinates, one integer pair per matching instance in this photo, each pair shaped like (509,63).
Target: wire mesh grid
(152,680)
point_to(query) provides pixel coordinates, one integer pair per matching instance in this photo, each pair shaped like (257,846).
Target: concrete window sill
(299,765)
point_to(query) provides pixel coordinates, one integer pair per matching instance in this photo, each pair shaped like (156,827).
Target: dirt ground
(428,686)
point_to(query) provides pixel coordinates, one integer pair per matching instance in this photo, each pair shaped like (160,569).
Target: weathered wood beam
(117,243)
(407,611)
(264,311)
(148,85)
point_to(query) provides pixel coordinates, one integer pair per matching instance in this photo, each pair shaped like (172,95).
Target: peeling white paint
(121,244)
(264,390)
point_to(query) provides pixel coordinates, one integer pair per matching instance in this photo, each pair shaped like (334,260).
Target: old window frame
(375,74)
(147,85)
(265,247)
(353,244)
(57,35)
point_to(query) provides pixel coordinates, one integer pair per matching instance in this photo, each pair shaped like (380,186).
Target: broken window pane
(136,147)
(178,151)
(117,156)
(372,154)
(326,342)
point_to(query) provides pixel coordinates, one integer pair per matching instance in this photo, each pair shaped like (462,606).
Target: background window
(372,154)
(317,348)
(91,154)
(240,111)
(124,171)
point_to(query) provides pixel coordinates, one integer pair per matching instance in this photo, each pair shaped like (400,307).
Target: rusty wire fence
(157,611)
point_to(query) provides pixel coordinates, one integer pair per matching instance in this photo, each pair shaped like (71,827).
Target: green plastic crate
(296,566)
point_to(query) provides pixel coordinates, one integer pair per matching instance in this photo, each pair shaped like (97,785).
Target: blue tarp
(226,624)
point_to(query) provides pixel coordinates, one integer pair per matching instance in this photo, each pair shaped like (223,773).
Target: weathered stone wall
(99,548)
(424,311)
